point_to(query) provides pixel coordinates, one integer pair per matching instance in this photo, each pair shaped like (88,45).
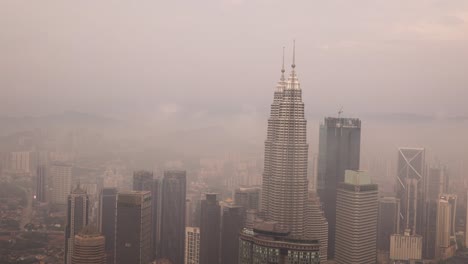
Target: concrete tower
(356,219)
(89,248)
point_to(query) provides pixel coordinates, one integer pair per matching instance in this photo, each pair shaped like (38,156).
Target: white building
(192,245)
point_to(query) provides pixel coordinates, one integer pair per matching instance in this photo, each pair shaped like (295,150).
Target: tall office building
(41,183)
(106,220)
(339,150)
(89,248)
(466,221)
(388,224)
(409,188)
(317,225)
(210,224)
(133,228)
(173,216)
(436,183)
(356,219)
(247,197)
(77,219)
(143,181)
(231,225)
(285,183)
(59,178)
(269,243)
(192,245)
(446,243)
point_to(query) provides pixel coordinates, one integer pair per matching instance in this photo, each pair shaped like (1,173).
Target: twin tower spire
(292,82)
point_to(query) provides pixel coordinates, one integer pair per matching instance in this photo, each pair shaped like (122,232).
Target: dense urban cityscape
(281,184)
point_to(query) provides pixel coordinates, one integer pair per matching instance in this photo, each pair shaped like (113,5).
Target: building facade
(388,224)
(269,243)
(356,219)
(210,227)
(405,247)
(409,188)
(317,225)
(192,245)
(89,248)
(77,219)
(41,183)
(59,179)
(231,225)
(144,181)
(133,228)
(248,197)
(339,150)
(446,243)
(106,220)
(173,216)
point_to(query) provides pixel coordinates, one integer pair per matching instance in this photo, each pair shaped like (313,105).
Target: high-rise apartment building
(210,224)
(41,183)
(317,225)
(269,243)
(77,219)
(106,220)
(388,224)
(89,248)
(436,183)
(192,245)
(173,216)
(247,197)
(339,150)
(231,225)
(133,228)
(409,188)
(445,231)
(59,180)
(356,219)
(144,181)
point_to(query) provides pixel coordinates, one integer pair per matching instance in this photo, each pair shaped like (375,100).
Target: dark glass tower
(173,216)
(231,226)
(339,150)
(133,228)
(41,175)
(106,221)
(143,181)
(389,224)
(77,219)
(210,223)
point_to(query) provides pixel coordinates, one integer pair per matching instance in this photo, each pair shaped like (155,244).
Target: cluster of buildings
(338,217)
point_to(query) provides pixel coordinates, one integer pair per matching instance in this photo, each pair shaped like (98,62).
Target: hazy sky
(213,56)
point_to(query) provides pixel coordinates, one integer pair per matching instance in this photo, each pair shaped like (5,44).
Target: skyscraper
(59,178)
(409,188)
(285,183)
(143,181)
(210,224)
(231,225)
(388,224)
(339,150)
(445,231)
(77,219)
(192,245)
(106,220)
(133,228)
(173,216)
(89,248)
(436,183)
(41,182)
(317,225)
(356,219)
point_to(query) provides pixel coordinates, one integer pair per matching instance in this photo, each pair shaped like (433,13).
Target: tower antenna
(340,112)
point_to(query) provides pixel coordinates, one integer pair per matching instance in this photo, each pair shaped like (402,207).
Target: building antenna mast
(340,112)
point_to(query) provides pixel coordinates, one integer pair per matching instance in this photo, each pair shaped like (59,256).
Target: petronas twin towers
(285,184)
